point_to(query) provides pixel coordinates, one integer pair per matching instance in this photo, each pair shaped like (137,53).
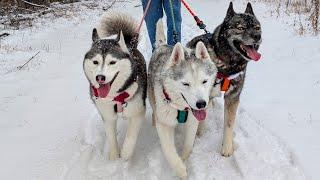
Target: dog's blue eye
(112,62)
(205,81)
(95,62)
(185,84)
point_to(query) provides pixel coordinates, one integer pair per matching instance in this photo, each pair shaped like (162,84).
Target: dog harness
(120,100)
(182,114)
(225,80)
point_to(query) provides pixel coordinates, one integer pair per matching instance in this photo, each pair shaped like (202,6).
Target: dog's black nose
(100,78)
(257,37)
(201,104)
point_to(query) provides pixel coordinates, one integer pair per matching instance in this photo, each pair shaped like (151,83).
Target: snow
(51,130)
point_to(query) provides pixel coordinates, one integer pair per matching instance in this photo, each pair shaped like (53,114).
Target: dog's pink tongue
(103,90)
(200,114)
(252,53)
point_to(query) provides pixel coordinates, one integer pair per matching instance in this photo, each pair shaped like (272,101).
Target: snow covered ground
(49,128)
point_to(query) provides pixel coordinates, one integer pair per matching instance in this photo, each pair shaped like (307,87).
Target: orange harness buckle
(225,84)
(225,81)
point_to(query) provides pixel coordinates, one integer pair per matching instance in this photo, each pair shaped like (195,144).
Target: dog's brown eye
(112,62)
(95,62)
(186,84)
(257,28)
(240,28)
(205,81)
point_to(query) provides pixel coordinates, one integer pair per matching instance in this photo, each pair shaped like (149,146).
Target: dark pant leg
(155,12)
(177,19)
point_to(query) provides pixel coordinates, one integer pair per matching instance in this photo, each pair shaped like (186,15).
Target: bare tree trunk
(315,16)
(317,8)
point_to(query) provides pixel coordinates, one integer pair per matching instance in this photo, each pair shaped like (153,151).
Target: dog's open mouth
(249,51)
(200,115)
(104,89)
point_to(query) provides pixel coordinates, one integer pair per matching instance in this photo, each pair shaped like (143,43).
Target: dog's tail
(160,36)
(113,22)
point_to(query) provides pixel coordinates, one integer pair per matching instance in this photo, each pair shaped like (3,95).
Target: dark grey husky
(232,45)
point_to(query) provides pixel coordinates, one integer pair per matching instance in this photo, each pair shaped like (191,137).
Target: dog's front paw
(181,170)
(113,155)
(200,132)
(201,129)
(125,154)
(227,149)
(186,153)
(185,156)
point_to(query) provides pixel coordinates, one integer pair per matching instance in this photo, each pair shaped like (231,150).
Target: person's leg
(177,19)
(155,12)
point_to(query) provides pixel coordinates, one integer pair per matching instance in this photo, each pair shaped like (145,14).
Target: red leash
(144,16)
(196,18)
(188,8)
(134,40)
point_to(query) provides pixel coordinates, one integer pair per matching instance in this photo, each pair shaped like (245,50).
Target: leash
(199,22)
(134,40)
(175,33)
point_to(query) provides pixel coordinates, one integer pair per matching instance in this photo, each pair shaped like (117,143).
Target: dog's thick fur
(237,28)
(124,68)
(187,77)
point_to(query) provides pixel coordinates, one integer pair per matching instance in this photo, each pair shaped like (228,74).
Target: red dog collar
(120,100)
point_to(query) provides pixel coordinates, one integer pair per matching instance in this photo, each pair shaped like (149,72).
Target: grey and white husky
(231,46)
(180,84)
(116,71)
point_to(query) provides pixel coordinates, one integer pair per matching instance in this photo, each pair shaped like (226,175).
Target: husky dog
(231,46)
(179,80)
(116,71)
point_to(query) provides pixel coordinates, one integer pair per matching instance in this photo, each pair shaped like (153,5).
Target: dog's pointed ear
(122,42)
(230,12)
(249,9)
(95,35)
(177,55)
(202,52)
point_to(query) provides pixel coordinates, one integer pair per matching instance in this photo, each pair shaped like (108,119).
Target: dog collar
(120,100)
(225,80)
(182,115)
(168,100)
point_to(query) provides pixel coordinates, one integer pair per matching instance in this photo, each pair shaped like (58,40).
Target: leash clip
(125,104)
(166,100)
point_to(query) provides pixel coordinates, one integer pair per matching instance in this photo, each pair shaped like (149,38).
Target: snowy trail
(51,130)
(259,155)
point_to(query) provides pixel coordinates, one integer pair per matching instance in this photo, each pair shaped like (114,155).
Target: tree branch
(32,4)
(4,35)
(20,67)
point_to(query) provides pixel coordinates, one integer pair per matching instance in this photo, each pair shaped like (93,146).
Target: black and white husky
(180,84)
(116,71)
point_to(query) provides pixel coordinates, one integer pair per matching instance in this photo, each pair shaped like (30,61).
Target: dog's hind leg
(230,111)
(154,118)
(152,100)
(132,135)
(191,128)
(166,135)
(201,128)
